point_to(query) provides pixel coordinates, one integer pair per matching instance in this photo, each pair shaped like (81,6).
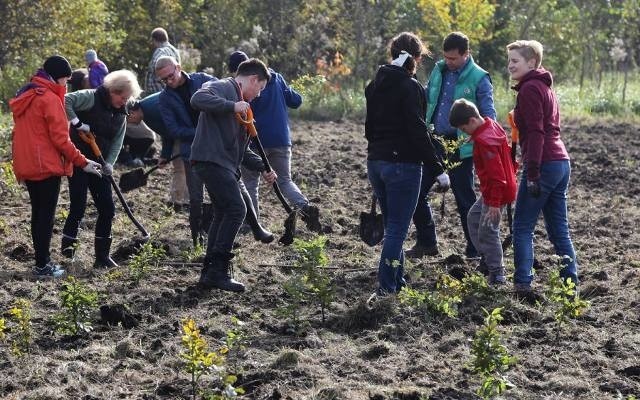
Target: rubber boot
(259,233)
(102,247)
(216,274)
(68,246)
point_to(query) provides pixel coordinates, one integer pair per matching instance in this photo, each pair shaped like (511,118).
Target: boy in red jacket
(496,172)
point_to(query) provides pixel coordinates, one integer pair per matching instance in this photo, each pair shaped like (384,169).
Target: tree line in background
(344,40)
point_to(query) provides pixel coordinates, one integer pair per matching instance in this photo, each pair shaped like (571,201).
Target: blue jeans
(554,180)
(396,186)
(462,188)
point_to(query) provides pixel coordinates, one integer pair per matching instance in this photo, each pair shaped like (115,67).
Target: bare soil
(380,351)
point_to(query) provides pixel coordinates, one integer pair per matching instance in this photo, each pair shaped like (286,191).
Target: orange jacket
(41,146)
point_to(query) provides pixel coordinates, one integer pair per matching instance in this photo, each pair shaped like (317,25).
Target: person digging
(219,147)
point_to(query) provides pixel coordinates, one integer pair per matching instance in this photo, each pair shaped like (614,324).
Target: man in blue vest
(455,77)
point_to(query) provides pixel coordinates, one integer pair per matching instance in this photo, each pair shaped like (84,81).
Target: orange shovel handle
(248,122)
(90,138)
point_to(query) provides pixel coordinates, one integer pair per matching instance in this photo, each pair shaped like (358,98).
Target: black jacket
(395,126)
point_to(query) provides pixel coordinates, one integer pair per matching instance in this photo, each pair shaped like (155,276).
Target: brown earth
(386,351)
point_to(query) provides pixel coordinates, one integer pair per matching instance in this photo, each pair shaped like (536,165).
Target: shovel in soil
(138,177)
(371,225)
(290,222)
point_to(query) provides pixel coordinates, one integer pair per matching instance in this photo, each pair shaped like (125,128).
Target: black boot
(68,246)
(102,247)
(215,274)
(259,233)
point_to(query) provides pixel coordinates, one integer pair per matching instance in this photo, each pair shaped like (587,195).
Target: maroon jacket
(538,120)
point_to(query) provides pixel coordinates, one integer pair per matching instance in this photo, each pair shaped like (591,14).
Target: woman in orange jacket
(42,152)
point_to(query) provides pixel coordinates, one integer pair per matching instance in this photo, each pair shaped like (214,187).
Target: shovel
(290,221)
(138,177)
(91,140)
(371,225)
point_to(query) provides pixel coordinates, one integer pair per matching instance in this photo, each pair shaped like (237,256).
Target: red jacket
(41,144)
(492,160)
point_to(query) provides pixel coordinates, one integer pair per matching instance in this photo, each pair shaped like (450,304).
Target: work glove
(533,188)
(92,167)
(79,125)
(107,169)
(443,183)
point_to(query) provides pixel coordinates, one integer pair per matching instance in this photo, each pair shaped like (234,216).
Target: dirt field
(384,351)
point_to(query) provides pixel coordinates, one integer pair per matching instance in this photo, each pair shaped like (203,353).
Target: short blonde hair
(529,49)
(122,81)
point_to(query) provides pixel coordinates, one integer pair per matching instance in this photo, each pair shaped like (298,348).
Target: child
(219,146)
(496,172)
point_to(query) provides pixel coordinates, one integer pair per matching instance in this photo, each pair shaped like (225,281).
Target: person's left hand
(492,216)
(107,169)
(270,177)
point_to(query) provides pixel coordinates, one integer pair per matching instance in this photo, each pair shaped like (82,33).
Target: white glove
(443,183)
(107,169)
(92,167)
(81,126)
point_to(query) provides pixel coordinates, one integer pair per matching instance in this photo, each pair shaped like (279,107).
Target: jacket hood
(489,133)
(539,74)
(389,76)
(39,83)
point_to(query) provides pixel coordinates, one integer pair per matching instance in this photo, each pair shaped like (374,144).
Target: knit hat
(235,59)
(90,56)
(57,67)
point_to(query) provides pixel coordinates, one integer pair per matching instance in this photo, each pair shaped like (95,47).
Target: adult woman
(398,145)
(42,152)
(103,112)
(546,172)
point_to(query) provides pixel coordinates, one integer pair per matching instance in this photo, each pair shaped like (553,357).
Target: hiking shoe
(525,292)
(419,251)
(496,280)
(50,270)
(135,163)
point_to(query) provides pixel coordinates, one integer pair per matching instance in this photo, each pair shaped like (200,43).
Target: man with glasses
(181,121)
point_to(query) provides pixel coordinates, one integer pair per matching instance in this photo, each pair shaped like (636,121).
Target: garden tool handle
(90,138)
(374,200)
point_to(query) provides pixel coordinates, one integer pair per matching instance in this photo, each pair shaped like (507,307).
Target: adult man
(455,77)
(220,145)
(272,124)
(181,120)
(162,47)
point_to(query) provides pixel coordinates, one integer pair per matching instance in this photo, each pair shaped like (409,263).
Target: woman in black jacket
(398,145)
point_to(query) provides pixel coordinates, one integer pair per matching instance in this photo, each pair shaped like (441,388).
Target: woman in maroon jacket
(546,168)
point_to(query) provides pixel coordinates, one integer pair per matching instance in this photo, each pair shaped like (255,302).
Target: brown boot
(419,251)
(216,274)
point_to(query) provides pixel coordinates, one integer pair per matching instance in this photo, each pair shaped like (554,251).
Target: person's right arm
(81,100)
(417,132)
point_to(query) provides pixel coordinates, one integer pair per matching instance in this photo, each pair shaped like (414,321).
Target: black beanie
(57,67)
(235,59)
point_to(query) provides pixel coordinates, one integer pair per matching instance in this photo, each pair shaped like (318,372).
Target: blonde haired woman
(102,111)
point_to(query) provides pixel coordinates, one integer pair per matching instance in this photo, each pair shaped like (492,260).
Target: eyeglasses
(170,77)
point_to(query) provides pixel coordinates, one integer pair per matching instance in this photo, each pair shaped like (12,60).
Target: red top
(538,120)
(492,160)
(41,144)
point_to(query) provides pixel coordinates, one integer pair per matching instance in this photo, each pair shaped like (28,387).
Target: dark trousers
(225,192)
(138,147)
(462,187)
(100,190)
(44,199)
(196,197)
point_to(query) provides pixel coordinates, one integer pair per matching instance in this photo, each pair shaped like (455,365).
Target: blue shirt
(484,101)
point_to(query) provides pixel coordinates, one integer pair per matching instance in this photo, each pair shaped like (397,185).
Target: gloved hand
(533,188)
(443,183)
(79,125)
(107,169)
(92,167)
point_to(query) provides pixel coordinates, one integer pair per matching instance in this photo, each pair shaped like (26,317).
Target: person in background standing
(42,152)
(162,47)
(97,69)
(455,77)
